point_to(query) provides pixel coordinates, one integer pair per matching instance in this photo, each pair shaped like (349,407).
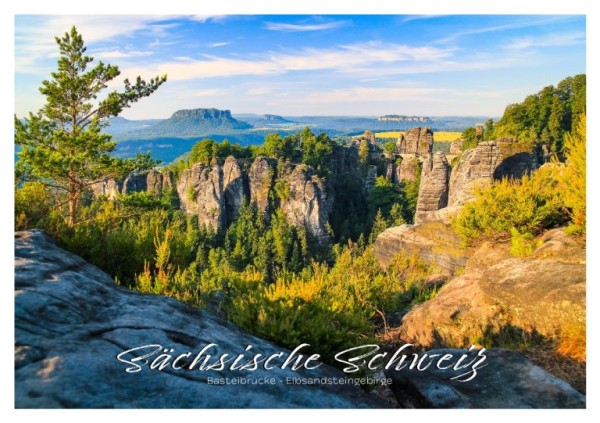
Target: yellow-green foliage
(35,207)
(573,177)
(520,209)
(528,205)
(522,245)
(330,309)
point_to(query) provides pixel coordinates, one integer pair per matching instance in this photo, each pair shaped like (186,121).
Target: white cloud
(118,54)
(34,35)
(220,44)
(284,27)
(343,58)
(550,40)
(505,27)
(372,95)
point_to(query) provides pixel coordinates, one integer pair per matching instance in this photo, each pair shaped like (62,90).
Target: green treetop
(63,145)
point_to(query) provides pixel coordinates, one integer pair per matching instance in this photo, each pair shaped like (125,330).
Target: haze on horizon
(297,65)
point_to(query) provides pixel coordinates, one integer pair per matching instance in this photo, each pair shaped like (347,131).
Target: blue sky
(364,65)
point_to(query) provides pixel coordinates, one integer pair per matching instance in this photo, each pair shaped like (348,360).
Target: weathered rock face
(434,242)
(200,190)
(71,322)
(233,187)
(110,188)
(151,181)
(456,147)
(433,190)
(157,182)
(370,179)
(260,179)
(309,202)
(135,182)
(508,380)
(408,168)
(488,161)
(415,141)
(499,294)
(389,172)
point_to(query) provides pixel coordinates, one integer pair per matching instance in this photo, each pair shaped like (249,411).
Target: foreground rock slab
(501,295)
(71,322)
(508,380)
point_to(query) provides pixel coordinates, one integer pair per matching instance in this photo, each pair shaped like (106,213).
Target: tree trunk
(73,205)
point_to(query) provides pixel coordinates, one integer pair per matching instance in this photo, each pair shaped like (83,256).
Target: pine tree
(380,224)
(63,145)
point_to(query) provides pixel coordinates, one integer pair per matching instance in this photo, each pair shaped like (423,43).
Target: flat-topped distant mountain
(196,122)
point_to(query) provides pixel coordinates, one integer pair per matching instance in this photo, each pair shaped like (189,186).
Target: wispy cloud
(118,54)
(550,40)
(304,27)
(411,18)
(342,58)
(220,44)
(209,18)
(505,27)
(371,95)
(34,35)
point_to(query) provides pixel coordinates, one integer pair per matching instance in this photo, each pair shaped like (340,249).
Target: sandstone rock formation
(370,178)
(490,160)
(415,141)
(309,202)
(502,295)
(433,190)
(71,322)
(260,179)
(200,190)
(456,147)
(109,188)
(389,172)
(233,188)
(151,181)
(157,182)
(508,380)
(408,168)
(434,242)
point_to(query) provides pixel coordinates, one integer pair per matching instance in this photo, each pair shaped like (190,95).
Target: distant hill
(168,138)
(192,123)
(265,120)
(119,125)
(198,122)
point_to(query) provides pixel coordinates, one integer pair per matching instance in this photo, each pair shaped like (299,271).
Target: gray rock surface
(200,190)
(370,179)
(408,169)
(389,172)
(309,202)
(260,179)
(233,188)
(434,242)
(433,190)
(415,141)
(71,322)
(508,380)
(490,160)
